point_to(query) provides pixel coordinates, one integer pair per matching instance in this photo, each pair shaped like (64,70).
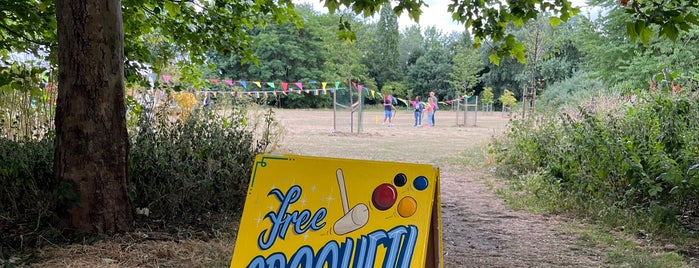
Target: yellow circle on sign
(407,207)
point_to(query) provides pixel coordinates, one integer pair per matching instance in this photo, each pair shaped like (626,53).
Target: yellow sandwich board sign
(326,212)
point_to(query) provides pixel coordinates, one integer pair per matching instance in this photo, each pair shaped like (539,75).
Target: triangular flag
(373,94)
(324,84)
(166,78)
(258,84)
(337,84)
(215,81)
(285,85)
(229,82)
(298,84)
(245,85)
(270,84)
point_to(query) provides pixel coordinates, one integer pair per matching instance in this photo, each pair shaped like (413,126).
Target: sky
(434,15)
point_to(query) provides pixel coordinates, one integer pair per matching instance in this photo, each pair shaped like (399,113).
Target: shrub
(641,157)
(186,169)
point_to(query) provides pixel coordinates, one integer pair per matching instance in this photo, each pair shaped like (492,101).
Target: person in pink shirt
(430,108)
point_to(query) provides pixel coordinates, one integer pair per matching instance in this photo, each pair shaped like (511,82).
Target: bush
(182,170)
(187,169)
(641,157)
(27,193)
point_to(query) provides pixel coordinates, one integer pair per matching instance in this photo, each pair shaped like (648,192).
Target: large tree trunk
(91,137)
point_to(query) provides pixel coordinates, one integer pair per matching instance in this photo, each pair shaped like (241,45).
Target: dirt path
(479,231)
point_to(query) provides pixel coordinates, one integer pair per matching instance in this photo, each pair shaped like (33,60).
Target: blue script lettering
(282,219)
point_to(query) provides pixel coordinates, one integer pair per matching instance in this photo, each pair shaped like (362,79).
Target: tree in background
(431,70)
(487,98)
(384,54)
(465,72)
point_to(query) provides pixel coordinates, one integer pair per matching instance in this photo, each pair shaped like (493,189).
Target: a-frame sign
(305,211)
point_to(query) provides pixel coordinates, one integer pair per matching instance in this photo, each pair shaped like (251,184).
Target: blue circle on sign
(420,183)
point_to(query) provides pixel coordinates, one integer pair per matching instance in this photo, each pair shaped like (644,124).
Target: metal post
(475,117)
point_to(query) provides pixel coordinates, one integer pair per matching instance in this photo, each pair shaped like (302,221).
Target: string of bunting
(286,89)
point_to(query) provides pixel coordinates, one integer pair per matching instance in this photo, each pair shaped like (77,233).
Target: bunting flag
(373,94)
(257,94)
(315,92)
(298,84)
(266,92)
(258,84)
(270,84)
(229,82)
(337,85)
(285,85)
(245,85)
(215,81)
(324,84)
(401,100)
(166,78)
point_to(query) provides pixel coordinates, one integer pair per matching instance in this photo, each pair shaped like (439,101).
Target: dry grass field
(478,230)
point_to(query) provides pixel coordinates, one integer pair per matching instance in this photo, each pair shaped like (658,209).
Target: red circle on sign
(384,196)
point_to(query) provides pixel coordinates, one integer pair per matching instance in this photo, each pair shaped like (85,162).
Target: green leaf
(631,31)
(172,8)
(554,21)
(645,34)
(670,31)
(517,21)
(495,59)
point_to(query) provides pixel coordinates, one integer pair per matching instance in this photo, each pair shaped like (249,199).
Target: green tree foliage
(384,55)
(487,95)
(609,56)
(466,68)
(431,70)
(507,98)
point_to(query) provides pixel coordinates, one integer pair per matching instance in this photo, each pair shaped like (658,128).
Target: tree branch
(21,36)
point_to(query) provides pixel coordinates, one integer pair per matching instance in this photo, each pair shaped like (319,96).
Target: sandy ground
(478,230)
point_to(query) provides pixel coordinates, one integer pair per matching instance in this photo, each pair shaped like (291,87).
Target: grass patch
(623,250)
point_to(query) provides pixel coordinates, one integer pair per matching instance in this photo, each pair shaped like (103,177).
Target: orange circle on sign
(407,207)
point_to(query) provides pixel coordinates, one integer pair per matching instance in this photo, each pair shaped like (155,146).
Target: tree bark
(91,136)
